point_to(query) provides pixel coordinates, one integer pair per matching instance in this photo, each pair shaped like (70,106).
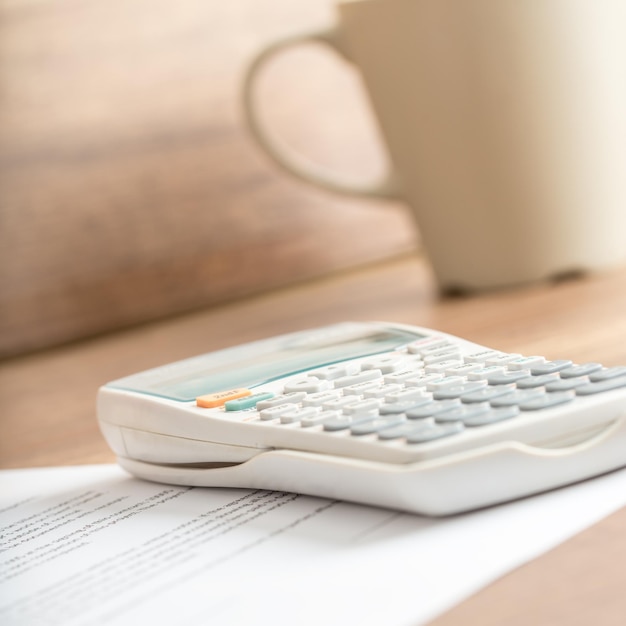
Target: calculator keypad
(430,391)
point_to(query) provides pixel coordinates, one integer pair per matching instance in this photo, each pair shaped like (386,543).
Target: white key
(446,381)
(339,403)
(363,407)
(401,376)
(422,381)
(308,385)
(463,370)
(482,356)
(502,359)
(361,377)
(386,364)
(404,395)
(525,362)
(381,391)
(317,399)
(273,412)
(484,372)
(290,417)
(336,371)
(442,366)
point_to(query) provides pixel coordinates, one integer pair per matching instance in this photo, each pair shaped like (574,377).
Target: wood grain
(129,187)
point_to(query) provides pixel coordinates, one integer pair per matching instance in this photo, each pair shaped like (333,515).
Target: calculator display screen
(263,361)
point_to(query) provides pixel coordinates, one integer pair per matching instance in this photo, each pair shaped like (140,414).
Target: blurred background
(130,189)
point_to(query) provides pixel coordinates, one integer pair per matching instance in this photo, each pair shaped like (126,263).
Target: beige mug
(505,123)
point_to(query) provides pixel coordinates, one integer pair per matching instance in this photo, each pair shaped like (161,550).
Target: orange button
(212,400)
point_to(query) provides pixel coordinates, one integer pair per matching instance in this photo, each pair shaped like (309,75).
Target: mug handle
(387,188)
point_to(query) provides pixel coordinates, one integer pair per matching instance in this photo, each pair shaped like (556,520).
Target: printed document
(89,545)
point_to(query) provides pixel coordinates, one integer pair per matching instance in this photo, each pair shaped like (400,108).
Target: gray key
(536,381)
(432,408)
(344,421)
(493,416)
(391,408)
(377,424)
(600,386)
(609,372)
(420,432)
(487,393)
(463,412)
(507,377)
(456,391)
(547,400)
(549,367)
(565,384)
(428,432)
(580,370)
(516,397)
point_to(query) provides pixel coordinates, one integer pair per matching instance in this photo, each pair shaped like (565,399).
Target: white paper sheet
(89,545)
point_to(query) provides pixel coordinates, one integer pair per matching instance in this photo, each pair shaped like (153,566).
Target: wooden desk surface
(48,417)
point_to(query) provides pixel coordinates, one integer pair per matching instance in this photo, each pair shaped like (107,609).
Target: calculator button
(484,372)
(456,391)
(308,385)
(443,355)
(339,403)
(382,391)
(376,425)
(360,388)
(463,412)
(363,407)
(487,393)
(297,415)
(525,362)
(547,400)
(429,432)
(442,366)
(600,386)
(463,369)
(212,400)
(342,422)
(295,397)
(432,409)
(361,377)
(247,402)
(385,364)
(580,370)
(420,380)
(607,373)
(390,408)
(445,381)
(401,377)
(503,359)
(318,418)
(549,367)
(565,384)
(482,356)
(317,399)
(274,412)
(493,416)
(508,377)
(407,394)
(335,371)
(517,396)
(537,381)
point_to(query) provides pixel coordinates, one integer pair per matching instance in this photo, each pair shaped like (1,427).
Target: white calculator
(378,413)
